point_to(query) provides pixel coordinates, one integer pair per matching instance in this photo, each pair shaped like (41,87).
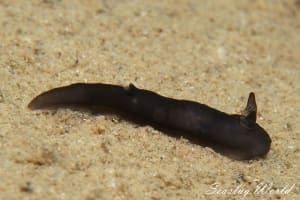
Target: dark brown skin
(239,133)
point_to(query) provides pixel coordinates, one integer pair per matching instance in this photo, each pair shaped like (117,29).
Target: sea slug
(240,133)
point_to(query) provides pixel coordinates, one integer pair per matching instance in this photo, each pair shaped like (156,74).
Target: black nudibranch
(239,133)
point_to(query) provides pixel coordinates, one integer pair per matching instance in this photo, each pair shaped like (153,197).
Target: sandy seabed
(214,52)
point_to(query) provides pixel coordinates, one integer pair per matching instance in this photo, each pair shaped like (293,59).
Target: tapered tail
(81,94)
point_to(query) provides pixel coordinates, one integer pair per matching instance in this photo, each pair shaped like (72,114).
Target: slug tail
(73,94)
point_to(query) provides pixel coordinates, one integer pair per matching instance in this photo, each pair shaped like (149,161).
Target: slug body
(238,132)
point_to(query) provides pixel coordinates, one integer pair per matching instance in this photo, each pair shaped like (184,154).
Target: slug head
(257,139)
